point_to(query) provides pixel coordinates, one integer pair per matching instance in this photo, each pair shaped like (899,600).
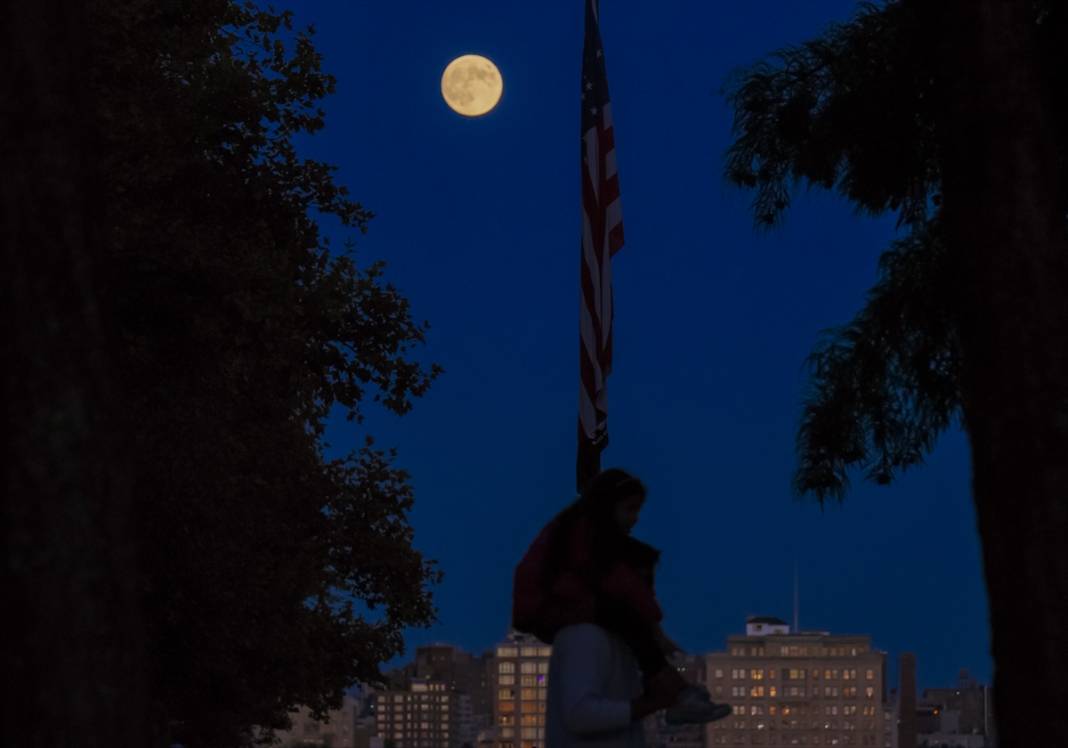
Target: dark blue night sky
(478,221)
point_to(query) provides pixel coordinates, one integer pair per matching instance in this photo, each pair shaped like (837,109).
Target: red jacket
(542,609)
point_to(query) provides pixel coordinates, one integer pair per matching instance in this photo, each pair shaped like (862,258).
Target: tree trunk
(73,655)
(1004,218)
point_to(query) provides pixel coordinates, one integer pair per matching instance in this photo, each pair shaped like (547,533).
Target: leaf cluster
(856,111)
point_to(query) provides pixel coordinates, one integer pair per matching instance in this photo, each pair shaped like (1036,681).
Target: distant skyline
(478,220)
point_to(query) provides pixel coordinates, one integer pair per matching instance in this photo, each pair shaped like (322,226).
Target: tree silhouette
(259,573)
(952,116)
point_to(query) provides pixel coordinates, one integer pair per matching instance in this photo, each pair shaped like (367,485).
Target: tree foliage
(272,574)
(855,111)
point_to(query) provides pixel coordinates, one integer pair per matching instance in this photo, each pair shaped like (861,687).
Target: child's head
(614,499)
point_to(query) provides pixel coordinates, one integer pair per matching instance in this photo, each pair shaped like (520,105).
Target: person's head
(613,500)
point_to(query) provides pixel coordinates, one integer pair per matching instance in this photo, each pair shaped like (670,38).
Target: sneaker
(694,707)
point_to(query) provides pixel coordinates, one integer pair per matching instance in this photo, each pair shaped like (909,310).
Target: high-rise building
(460,671)
(520,680)
(797,688)
(420,717)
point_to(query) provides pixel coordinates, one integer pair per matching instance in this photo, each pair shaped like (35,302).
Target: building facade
(339,730)
(520,683)
(797,689)
(422,716)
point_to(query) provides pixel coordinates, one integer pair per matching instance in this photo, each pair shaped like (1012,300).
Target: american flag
(602,237)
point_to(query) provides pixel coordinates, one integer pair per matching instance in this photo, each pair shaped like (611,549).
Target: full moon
(471,85)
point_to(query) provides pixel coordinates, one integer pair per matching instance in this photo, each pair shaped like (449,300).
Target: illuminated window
(772,691)
(869,674)
(756,674)
(529,680)
(543,668)
(849,692)
(869,692)
(773,709)
(506,694)
(528,667)
(719,672)
(506,680)
(506,667)
(507,652)
(757,692)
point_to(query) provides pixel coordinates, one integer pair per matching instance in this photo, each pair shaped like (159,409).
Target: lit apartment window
(507,652)
(737,691)
(543,668)
(506,694)
(772,691)
(506,680)
(869,692)
(756,692)
(756,674)
(719,672)
(869,674)
(545,652)
(505,667)
(849,692)
(773,709)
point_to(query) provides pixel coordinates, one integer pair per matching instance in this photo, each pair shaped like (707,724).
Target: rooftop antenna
(797,600)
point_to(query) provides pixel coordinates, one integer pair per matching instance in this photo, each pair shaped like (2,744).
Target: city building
(338,731)
(956,717)
(802,688)
(466,674)
(520,680)
(422,716)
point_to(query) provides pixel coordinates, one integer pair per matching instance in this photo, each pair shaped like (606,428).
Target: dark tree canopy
(272,575)
(855,111)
